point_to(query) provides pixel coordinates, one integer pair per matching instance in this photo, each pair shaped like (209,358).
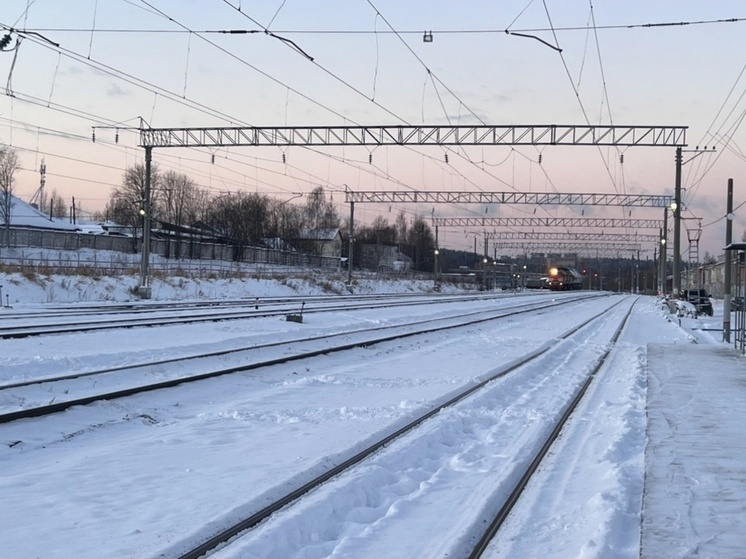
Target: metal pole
(352,241)
(436,275)
(664,253)
(676,286)
(484,264)
(144,290)
(728,264)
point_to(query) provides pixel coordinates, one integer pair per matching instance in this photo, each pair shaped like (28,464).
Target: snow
(25,215)
(654,461)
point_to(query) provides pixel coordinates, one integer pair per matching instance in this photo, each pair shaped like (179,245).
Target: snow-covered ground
(145,476)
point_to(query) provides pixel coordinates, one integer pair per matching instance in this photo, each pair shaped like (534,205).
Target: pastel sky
(165,61)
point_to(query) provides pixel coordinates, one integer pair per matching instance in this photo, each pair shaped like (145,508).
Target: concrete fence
(176,250)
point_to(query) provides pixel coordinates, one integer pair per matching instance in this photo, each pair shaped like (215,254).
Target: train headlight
(553,272)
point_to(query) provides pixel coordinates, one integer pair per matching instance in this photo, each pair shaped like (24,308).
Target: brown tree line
(241,218)
(414,239)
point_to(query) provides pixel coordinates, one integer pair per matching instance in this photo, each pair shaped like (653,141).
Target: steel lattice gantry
(402,135)
(533,198)
(565,222)
(544,247)
(573,237)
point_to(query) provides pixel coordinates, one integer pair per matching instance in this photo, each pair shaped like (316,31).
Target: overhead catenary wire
(379,30)
(156,89)
(353,88)
(417,32)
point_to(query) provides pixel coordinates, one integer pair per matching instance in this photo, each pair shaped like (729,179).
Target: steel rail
(58,407)
(224,352)
(259,516)
(146,306)
(515,494)
(15,332)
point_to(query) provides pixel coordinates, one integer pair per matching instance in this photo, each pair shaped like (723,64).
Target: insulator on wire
(621,158)
(5,41)
(370,158)
(283,158)
(446,157)
(116,136)
(539,159)
(212,158)
(93,136)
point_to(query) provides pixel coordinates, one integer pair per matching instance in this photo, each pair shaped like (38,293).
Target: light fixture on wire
(427,37)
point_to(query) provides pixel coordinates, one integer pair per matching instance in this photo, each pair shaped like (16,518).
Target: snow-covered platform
(695,489)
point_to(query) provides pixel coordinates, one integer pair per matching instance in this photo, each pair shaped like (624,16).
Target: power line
(400,32)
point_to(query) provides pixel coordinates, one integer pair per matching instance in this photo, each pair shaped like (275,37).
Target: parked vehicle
(738,304)
(699,298)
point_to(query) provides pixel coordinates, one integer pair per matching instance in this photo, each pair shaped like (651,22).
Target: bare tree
(128,198)
(401,228)
(284,220)
(57,206)
(9,164)
(180,198)
(421,241)
(240,217)
(320,213)
(181,203)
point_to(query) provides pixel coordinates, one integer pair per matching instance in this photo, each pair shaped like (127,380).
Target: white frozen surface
(146,477)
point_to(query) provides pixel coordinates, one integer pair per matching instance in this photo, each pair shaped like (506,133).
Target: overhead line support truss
(577,237)
(534,246)
(565,222)
(407,135)
(531,198)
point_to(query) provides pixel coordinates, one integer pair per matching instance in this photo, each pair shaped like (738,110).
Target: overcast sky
(165,61)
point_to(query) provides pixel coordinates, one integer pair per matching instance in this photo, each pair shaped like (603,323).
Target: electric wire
(400,32)
(379,31)
(353,88)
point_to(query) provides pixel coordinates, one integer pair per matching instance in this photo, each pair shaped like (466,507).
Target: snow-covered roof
(318,234)
(23,214)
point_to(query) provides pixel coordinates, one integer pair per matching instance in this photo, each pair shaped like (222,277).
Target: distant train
(565,279)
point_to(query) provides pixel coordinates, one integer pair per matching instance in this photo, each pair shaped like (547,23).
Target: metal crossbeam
(506,135)
(577,237)
(565,222)
(566,248)
(532,198)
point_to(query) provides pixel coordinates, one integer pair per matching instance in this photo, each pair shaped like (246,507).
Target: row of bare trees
(415,238)
(242,218)
(246,219)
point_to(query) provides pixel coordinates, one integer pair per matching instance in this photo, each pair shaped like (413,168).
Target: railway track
(32,397)
(259,427)
(232,541)
(76,321)
(145,306)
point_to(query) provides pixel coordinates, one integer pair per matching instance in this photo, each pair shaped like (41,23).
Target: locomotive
(565,279)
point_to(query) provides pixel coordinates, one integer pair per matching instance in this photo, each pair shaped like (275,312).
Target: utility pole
(728,263)
(352,242)
(436,263)
(664,252)
(676,286)
(145,289)
(42,182)
(677,214)
(484,263)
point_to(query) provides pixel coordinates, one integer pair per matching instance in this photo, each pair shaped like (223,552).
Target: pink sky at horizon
(674,75)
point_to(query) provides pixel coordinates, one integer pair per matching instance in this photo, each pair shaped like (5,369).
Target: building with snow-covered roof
(23,215)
